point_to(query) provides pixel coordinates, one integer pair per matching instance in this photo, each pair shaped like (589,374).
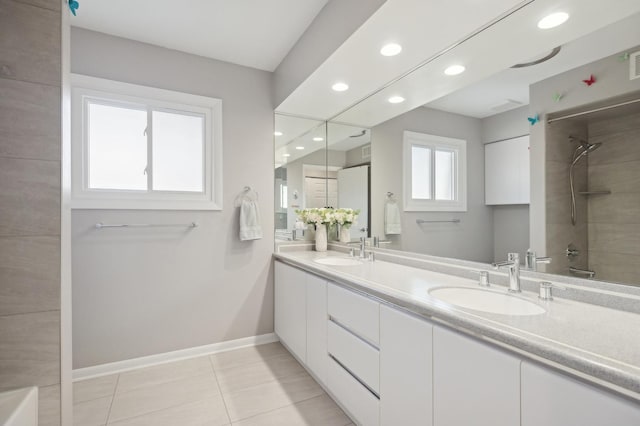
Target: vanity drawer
(354,312)
(362,359)
(357,400)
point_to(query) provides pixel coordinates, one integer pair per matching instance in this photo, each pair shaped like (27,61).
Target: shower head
(585,148)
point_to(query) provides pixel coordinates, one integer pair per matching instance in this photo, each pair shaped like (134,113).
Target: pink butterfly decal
(590,81)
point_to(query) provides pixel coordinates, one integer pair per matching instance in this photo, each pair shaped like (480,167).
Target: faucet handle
(483,279)
(546,288)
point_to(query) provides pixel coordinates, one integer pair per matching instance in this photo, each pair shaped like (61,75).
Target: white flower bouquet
(315,216)
(345,217)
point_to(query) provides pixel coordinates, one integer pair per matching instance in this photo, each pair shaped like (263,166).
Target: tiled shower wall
(30,71)
(614,220)
(559,231)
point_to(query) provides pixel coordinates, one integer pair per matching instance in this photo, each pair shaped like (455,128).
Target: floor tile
(269,396)
(248,355)
(99,387)
(247,375)
(154,398)
(206,412)
(91,413)
(163,373)
(318,411)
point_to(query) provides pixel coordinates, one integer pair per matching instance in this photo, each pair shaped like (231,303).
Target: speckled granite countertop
(597,343)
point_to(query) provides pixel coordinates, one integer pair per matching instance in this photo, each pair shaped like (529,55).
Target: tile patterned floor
(256,386)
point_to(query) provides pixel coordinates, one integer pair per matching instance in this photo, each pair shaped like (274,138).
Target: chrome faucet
(513,263)
(531,260)
(363,247)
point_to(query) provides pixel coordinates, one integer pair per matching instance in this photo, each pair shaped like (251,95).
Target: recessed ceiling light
(286,155)
(391,49)
(553,20)
(276,133)
(396,99)
(299,147)
(318,139)
(340,87)
(454,70)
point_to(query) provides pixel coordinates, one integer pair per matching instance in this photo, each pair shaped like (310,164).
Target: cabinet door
(507,171)
(552,399)
(291,308)
(473,383)
(405,369)
(317,327)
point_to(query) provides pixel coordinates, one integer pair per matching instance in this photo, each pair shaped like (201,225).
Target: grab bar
(420,221)
(101,225)
(578,271)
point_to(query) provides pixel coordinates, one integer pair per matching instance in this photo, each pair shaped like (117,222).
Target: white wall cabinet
(290,308)
(552,399)
(473,383)
(406,373)
(506,171)
(317,327)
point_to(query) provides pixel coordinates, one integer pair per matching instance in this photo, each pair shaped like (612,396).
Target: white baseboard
(163,358)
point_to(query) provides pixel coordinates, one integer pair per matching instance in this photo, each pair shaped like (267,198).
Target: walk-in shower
(584,149)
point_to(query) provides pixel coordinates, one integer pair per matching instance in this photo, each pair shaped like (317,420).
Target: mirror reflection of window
(435,173)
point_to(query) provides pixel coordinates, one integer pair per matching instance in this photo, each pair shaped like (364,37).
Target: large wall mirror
(550,126)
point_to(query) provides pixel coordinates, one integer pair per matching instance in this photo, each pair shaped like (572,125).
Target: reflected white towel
(250,221)
(392,224)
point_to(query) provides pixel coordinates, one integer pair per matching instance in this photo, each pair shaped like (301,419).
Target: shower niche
(593,191)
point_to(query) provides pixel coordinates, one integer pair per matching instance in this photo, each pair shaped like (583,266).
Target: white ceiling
(253,33)
(423,28)
(479,100)
(512,40)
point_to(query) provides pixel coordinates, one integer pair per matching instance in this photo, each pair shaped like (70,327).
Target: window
(434,173)
(140,147)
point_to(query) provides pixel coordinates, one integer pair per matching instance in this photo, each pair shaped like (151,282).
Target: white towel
(249,221)
(392,224)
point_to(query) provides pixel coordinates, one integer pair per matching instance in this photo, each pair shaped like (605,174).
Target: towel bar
(101,225)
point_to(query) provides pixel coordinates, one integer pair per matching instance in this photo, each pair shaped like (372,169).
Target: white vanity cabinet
(406,374)
(317,326)
(290,308)
(301,316)
(506,168)
(553,399)
(473,383)
(353,337)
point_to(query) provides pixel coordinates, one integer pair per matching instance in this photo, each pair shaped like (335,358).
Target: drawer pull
(374,393)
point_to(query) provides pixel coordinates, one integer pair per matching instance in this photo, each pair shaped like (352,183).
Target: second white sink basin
(338,261)
(486,301)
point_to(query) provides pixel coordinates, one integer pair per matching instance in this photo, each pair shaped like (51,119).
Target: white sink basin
(486,301)
(338,261)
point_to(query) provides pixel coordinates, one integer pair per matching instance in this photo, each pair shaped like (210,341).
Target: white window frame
(85,89)
(441,143)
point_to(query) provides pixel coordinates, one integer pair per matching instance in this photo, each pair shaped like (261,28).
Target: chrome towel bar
(101,225)
(421,221)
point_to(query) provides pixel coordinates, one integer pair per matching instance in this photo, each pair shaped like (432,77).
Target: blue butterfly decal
(534,120)
(73,6)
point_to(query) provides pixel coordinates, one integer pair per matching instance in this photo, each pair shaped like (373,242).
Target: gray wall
(138,293)
(30,142)
(472,238)
(510,223)
(332,27)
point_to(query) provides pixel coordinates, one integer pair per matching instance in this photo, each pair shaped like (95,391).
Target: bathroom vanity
(390,351)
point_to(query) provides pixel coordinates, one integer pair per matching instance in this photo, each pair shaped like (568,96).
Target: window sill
(144,205)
